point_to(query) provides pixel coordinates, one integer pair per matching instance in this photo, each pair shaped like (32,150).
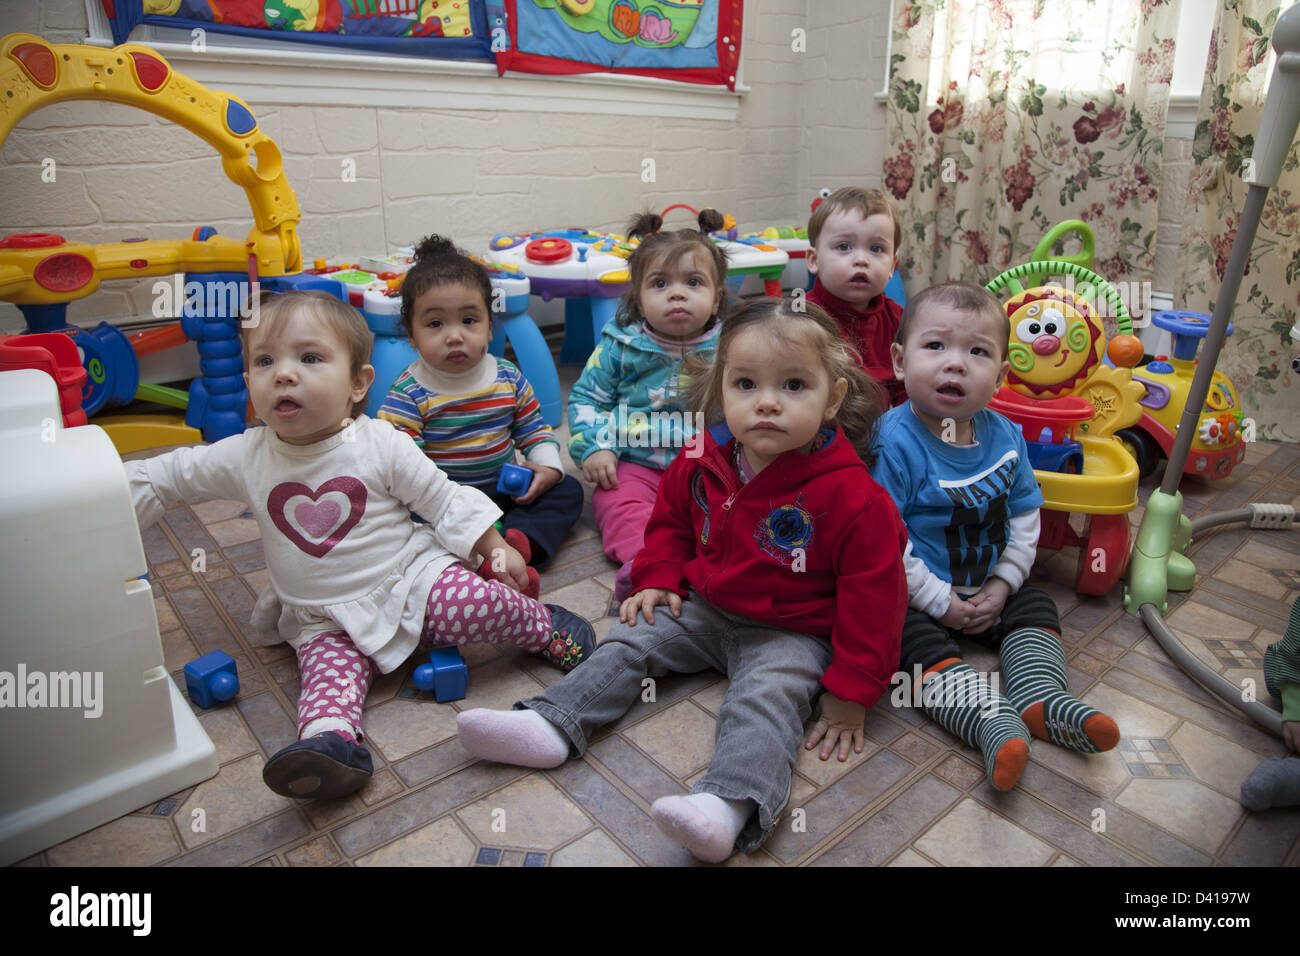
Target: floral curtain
(1007,117)
(1258,355)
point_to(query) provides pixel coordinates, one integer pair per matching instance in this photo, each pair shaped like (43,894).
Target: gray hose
(1260,516)
(1262,714)
(1276,517)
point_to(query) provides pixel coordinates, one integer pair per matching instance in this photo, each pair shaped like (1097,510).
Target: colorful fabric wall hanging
(455,29)
(695,41)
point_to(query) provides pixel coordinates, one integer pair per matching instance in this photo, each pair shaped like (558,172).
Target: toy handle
(1277,127)
(1043,250)
(679,205)
(1090,284)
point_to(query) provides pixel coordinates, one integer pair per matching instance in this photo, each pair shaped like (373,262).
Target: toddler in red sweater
(779,561)
(855,234)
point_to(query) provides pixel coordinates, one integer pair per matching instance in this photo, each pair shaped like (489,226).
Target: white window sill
(311,76)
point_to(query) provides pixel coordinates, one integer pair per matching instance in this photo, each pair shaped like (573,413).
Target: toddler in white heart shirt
(357,583)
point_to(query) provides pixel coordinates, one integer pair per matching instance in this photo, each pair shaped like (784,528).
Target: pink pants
(623,512)
(462,609)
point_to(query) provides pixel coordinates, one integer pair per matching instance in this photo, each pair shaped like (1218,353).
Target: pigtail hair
(644,225)
(659,246)
(710,220)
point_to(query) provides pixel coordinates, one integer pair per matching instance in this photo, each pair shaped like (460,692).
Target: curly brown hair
(439,262)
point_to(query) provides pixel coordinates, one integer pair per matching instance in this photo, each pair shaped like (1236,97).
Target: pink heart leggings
(462,609)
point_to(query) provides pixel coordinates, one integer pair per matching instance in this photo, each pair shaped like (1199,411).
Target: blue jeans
(775,678)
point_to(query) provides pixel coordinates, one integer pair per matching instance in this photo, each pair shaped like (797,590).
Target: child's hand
(544,479)
(840,724)
(601,468)
(515,572)
(987,604)
(1291,734)
(958,614)
(645,602)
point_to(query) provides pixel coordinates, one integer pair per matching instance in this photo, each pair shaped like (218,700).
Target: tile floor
(914,797)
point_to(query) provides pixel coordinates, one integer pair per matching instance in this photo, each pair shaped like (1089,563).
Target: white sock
(321,724)
(521,737)
(704,823)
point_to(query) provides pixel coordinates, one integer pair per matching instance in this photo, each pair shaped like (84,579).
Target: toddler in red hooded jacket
(778,559)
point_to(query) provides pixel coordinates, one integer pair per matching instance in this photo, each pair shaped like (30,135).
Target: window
(285,75)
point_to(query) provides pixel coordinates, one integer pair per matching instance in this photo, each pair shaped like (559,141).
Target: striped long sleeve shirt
(470,425)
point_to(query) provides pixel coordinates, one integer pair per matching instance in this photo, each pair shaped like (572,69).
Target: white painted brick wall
(842,122)
(1175,173)
(810,121)
(122,172)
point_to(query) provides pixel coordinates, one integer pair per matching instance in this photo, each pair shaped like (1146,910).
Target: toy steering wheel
(1195,324)
(549,249)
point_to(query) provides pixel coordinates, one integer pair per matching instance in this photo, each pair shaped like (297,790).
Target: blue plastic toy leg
(535,361)
(46,318)
(602,311)
(578,340)
(390,356)
(894,288)
(218,399)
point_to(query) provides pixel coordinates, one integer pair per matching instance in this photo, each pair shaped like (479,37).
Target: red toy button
(64,272)
(31,240)
(150,71)
(37,60)
(139,263)
(550,249)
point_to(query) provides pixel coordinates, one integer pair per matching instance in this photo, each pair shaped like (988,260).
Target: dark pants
(547,520)
(927,642)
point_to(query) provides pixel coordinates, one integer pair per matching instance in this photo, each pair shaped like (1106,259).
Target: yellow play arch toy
(38,270)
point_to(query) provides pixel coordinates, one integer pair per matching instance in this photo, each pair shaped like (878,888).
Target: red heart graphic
(317,516)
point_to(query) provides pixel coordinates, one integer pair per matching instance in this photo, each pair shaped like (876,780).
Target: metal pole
(1223,307)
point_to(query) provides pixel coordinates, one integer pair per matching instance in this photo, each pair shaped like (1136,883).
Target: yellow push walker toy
(1069,405)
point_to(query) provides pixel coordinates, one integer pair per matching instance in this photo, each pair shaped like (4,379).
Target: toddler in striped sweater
(470,411)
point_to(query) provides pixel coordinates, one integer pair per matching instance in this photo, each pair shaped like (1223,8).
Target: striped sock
(1033,664)
(964,704)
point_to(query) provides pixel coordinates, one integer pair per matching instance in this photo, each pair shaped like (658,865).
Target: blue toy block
(515,480)
(212,678)
(445,674)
